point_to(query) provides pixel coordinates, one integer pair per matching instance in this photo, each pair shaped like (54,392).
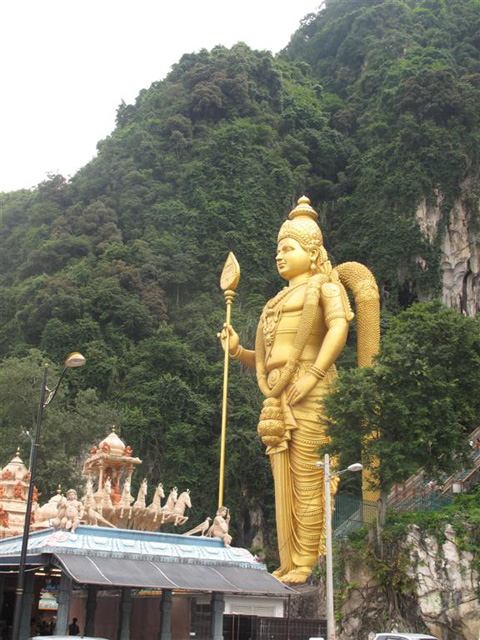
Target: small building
(136,585)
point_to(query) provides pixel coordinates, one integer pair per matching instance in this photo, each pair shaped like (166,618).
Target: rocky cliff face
(446,585)
(438,592)
(460,246)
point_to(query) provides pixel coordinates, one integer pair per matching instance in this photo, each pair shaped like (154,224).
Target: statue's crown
(303,208)
(302,225)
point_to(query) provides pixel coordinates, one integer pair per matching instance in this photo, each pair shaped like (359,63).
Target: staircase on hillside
(419,492)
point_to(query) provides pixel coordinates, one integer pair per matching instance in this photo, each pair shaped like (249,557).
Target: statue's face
(292,260)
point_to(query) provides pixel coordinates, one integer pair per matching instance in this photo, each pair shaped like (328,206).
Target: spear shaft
(229,297)
(228,282)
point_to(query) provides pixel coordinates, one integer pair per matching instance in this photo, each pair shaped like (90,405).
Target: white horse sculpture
(176,514)
(107,494)
(169,505)
(141,496)
(139,507)
(91,515)
(126,498)
(146,519)
(122,512)
(156,504)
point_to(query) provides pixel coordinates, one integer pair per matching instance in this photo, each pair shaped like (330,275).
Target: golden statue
(301,332)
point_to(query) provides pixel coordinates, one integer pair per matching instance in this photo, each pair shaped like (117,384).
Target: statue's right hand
(234,340)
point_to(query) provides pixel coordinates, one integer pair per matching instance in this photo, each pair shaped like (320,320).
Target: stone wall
(441,595)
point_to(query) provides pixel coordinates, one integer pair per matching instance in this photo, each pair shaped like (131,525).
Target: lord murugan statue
(301,332)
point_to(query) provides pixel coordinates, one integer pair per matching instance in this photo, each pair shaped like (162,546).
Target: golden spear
(228,283)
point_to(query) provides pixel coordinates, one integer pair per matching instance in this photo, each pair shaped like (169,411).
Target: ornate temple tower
(14,483)
(111,461)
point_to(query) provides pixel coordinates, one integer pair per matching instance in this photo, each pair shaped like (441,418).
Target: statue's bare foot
(299,575)
(278,573)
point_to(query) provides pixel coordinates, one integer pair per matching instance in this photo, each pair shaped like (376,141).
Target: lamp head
(356,466)
(75,360)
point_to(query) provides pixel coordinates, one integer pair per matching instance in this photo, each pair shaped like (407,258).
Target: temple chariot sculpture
(301,333)
(109,469)
(107,500)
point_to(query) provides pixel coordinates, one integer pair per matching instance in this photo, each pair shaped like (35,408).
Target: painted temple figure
(69,512)
(301,332)
(220,526)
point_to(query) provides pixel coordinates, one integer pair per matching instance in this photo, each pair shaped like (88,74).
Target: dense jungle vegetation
(371,109)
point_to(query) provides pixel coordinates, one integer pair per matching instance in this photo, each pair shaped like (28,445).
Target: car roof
(409,636)
(65,638)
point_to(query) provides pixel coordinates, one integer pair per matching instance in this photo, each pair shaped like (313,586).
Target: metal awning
(148,574)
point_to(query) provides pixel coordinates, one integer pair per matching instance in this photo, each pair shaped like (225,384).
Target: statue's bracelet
(317,372)
(237,353)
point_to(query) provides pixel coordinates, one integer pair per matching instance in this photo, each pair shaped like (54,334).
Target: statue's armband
(335,303)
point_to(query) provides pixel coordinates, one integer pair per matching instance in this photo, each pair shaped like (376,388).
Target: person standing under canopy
(73,628)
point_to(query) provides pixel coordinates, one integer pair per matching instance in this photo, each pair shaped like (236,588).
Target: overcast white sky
(67,65)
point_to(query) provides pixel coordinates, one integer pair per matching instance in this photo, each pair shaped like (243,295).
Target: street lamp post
(328,534)
(27,433)
(73,361)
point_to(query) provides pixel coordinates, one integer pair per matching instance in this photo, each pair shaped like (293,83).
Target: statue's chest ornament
(270,322)
(273,312)
(268,325)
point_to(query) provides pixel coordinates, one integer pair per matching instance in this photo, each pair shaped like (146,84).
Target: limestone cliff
(459,245)
(427,585)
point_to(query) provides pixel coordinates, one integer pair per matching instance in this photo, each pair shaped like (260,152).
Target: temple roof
(115,445)
(16,467)
(110,452)
(128,543)
(120,557)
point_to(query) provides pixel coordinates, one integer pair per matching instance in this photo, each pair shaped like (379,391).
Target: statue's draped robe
(299,482)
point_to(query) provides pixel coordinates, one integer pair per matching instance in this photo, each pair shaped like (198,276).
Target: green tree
(420,399)
(70,425)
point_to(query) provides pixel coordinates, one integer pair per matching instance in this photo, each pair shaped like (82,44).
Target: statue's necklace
(282,294)
(272,313)
(310,305)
